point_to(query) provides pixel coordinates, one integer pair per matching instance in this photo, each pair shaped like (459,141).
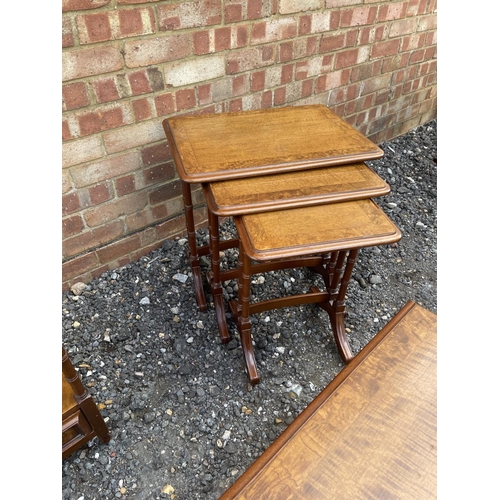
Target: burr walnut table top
(305,187)
(370,434)
(212,147)
(315,229)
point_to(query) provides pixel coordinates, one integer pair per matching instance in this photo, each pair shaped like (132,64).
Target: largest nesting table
(213,148)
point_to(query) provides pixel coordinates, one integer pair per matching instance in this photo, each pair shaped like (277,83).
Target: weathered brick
(222,39)
(279,96)
(135,22)
(130,137)
(286,73)
(358,16)
(241,60)
(240,85)
(104,118)
(194,14)
(291,6)
(80,63)
(125,185)
(392,11)
(185,99)
(330,43)
(194,70)
(131,2)
(107,168)
(403,27)
(275,30)
(346,58)
(139,82)
(93,28)
(254,9)
(105,89)
(333,4)
(118,249)
(68,5)
(75,96)
(67,32)
(70,203)
(78,266)
(80,151)
(384,49)
(160,173)
(202,41)
(257,80)
(104,214)
(99,193)
(165,192)
(158,153)
(412,42)
(142,109)
(164,104)
(427,23)
(233,13)
(145,52)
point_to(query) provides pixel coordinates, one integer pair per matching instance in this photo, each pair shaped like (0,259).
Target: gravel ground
(184,422)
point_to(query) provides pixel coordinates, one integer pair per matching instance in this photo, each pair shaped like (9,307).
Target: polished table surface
(300,188)
(370,434)
(212,147)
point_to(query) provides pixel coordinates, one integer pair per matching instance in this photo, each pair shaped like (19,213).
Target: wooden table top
(213,147)
(315,229)
(305,187)
(371,434)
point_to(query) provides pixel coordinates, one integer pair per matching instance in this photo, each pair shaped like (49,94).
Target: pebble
(180,277)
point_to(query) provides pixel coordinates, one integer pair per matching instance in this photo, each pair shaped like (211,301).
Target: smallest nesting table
(337,229)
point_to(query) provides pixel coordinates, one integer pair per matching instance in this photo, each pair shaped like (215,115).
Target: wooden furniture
(214,147)
(371,433)
(81,419)
(281,238)
(276,192)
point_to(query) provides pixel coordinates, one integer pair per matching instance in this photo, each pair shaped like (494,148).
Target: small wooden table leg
(215,279)
(244,323)
(193,249)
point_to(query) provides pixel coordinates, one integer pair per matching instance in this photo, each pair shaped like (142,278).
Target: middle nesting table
(274,193)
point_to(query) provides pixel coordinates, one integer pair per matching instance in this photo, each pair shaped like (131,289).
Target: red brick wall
(128,64)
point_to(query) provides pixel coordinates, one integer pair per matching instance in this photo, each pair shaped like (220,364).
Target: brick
(334,4)
(66,181)
(358,16)
(201,42)
(194,70)
(384,49)
(185,99)
(254,9)
(320,22)
(165,192)
(307,88)
(164,104)
(140,220)
(329,81)
(99,194)
(221,90)
(239,38)
(93,28)
(160,173)
(285,51)
(135,22)
(330,43)
(69,5)
(412,42)
(131,2)
(106,168)
(248,59)
(79,265)
(286,73)
(240,85)
(118,249)
(416,56)
(125,185)
(75,96)
(142,109)
(130,137)
(67,133)
(403,27)
(280,96)
(233,13)
(80,151)
(257,81)
(67,32)
(427,23)
(291,6)
(346,58)
(81,63)
(70,203)
(145,52)
(272,31)
(184,15)
(305,25)
(106,213)
(392,11)
(222,39)
(105,90)
(104,118)
(139,83)
(159,153)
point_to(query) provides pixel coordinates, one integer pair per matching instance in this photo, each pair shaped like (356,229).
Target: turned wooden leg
(244,324)
(194,260)
(215,281)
